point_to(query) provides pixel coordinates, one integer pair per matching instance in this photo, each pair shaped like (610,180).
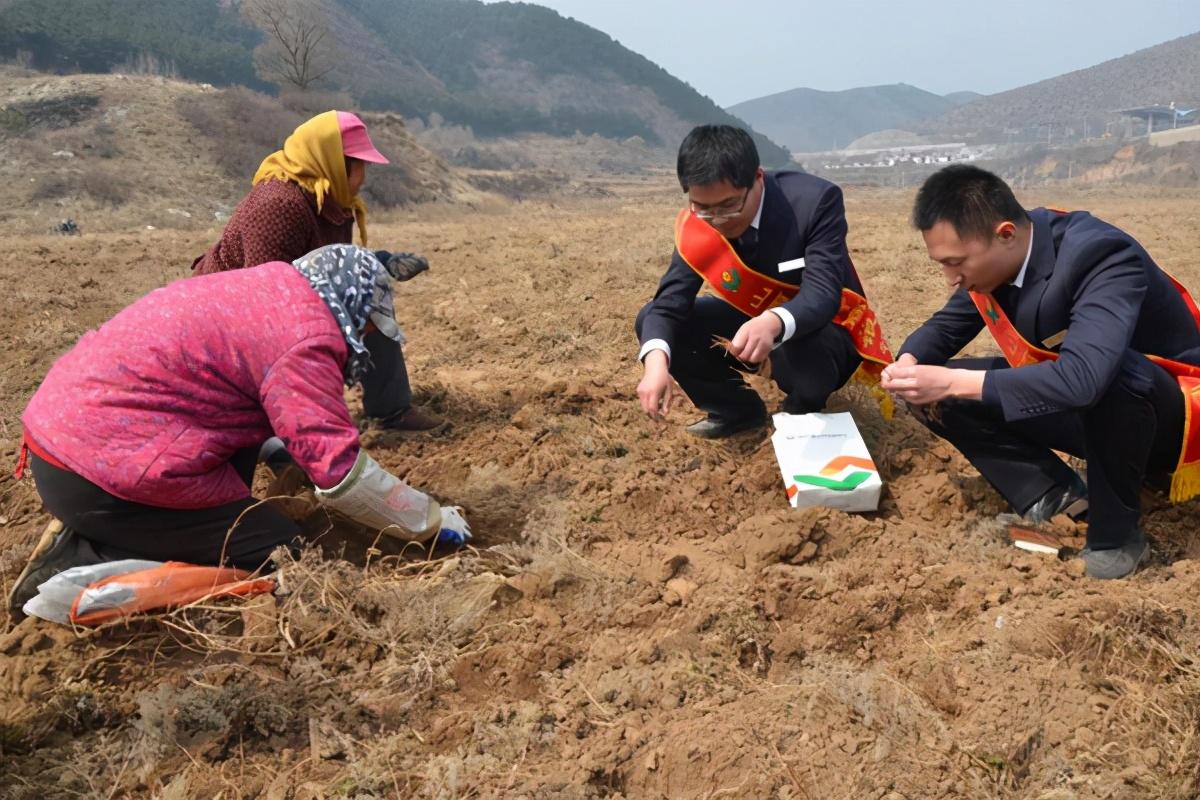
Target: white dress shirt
(1019,281)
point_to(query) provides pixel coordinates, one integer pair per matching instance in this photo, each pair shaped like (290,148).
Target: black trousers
(806,369)
(121,529)
(1133,431)
(386,390)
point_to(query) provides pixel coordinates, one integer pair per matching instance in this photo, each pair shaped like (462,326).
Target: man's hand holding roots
(754,341)
(922,385)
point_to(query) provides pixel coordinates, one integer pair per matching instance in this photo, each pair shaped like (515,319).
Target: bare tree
(297,50)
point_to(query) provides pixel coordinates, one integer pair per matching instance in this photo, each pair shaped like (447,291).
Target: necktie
(748,241)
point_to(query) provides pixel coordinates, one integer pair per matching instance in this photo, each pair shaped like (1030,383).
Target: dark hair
(972,200)
(715,153)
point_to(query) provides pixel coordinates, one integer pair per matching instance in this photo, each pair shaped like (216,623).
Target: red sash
(1185,482)
(712,257)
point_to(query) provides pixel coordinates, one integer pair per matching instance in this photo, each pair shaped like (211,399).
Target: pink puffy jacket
(151,406)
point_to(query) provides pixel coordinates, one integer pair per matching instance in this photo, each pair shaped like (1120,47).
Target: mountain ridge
(1159,74)
(500,68)
(809,120)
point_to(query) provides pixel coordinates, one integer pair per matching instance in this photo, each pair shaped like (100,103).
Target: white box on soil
(824,462)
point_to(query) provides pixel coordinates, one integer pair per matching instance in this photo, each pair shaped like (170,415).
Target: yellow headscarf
(312,157)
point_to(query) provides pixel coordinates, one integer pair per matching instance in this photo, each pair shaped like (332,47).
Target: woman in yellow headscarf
(306,196)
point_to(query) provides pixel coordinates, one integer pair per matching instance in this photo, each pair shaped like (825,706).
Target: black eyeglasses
(721,211)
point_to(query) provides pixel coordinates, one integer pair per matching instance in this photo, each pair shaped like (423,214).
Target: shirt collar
(761,199)
(1019,281)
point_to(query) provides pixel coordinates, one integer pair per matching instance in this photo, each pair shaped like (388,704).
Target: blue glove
(455,531)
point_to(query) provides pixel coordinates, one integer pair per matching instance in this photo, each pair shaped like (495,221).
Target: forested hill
(500,68)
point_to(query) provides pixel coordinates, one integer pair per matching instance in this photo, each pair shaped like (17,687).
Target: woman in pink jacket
(144,437)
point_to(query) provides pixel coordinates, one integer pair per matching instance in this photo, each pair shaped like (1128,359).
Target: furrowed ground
(642,616)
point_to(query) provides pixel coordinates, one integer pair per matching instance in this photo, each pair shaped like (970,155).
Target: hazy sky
(736,50)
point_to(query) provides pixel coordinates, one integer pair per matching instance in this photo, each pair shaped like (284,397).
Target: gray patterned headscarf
(358,289)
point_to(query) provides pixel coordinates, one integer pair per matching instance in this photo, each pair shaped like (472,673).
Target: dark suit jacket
(802,217)
(1096,283)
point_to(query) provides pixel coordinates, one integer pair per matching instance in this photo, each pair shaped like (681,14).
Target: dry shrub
(106,186)
(244,709)
(245,125)
(12,122)
(403,618)
(519,185)
(1180,176)
(340,663)
(476,157)
(407,179)
(311,102)
(387,188)
(401,184)
(55,113)
(103,141)
(54,186)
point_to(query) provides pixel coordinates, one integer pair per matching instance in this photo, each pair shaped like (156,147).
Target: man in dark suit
(1089,304)
(787,229)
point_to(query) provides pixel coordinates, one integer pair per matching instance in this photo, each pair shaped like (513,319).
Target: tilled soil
(642,616)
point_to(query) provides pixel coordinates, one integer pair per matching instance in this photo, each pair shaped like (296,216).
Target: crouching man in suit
(1097,344)
(772,248)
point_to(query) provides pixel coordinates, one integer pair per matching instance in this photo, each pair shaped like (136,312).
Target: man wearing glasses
(772,249)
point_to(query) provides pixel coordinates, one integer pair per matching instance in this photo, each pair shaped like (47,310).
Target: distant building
(901,157)
(1159,118)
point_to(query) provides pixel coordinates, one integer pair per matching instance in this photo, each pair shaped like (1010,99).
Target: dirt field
(643,616)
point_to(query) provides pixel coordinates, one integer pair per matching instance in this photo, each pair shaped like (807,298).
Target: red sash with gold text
(1185,482)
(712,257)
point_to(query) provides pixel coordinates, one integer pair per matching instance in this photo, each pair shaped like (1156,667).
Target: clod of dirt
(788,535)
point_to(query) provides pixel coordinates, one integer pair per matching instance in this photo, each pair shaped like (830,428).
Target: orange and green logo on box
(847,483)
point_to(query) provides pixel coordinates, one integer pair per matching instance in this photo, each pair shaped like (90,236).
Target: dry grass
(1154,678)
(337,647)
(877,665)
(249,126)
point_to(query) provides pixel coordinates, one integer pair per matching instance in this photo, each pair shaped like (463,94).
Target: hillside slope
(1165,73)
(808,120)
(501,68)
(139,150)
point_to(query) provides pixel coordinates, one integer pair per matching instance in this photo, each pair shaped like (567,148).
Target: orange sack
(167,586)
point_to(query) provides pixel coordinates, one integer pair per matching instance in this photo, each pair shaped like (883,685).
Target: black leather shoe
(718,428)
(1070,500)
